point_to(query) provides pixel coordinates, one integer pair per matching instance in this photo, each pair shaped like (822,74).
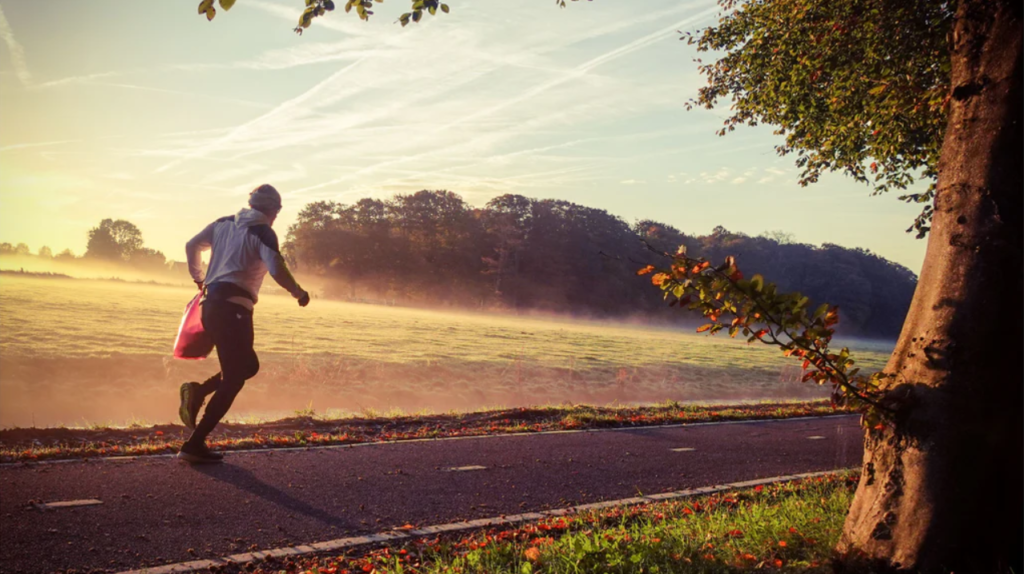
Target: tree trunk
(942,489)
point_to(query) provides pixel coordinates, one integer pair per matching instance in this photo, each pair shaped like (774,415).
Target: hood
(248,217)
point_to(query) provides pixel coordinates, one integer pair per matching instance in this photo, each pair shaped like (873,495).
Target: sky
(147,112)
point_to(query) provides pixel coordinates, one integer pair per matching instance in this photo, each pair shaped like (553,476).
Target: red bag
(193,342)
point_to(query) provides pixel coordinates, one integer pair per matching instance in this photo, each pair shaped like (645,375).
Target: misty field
(83,351)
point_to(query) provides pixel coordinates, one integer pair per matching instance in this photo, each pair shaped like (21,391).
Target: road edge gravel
(250,451)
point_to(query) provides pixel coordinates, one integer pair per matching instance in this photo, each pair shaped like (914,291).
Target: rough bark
(942,490)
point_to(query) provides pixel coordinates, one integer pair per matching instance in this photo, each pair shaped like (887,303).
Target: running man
(244,248)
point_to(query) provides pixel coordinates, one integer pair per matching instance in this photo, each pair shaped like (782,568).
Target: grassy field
(83,350)
(785,527)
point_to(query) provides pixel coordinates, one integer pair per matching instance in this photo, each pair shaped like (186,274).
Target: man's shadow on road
(247,481)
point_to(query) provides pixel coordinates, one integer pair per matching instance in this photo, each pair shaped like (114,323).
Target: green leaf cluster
(362,8)
(418,7)
(206,8)
(315,8)
(859,86)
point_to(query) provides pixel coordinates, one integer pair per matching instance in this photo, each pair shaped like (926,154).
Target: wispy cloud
(773,174)
(246,129)
(344,50)
(13,147)
(473,188)
(75,80)
(16,51)
(233,174)
(468,62)
(251,175)
(714,177)
(430,140)
(97,80)
(205,97)
(348,25)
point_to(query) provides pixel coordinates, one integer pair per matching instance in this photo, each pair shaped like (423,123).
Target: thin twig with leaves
(316,8)
(761,313)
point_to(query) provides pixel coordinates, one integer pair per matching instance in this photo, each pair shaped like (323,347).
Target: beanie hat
(265,198)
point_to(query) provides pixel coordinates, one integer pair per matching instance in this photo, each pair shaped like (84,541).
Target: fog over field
(80,351)
(86,269)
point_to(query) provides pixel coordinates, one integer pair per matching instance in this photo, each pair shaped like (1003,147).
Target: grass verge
(784,527)
(30,444)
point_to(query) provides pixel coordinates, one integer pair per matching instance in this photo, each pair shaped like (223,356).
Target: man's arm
(279,271)
(194,249)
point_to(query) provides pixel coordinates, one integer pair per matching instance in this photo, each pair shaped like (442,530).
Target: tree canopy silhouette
(113,240)
(532,254)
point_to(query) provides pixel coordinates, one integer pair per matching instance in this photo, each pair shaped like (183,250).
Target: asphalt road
(158,510)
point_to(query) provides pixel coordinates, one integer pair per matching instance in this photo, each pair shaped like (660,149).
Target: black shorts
(230,327)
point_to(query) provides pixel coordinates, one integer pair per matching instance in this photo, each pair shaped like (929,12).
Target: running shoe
(199,454)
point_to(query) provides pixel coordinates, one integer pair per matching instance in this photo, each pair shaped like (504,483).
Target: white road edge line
(251,451)
(348,543)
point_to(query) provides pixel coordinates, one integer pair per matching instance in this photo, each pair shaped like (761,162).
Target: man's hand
(304,300)
(199,284)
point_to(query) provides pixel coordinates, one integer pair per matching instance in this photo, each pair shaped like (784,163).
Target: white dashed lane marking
(466,468)
(67,504)
(815,437)
(683,449)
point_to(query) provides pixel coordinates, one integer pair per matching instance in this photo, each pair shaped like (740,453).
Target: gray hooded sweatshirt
(244,248)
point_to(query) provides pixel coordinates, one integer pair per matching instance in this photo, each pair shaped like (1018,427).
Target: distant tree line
(518,253)
(44,252)
(121,241)
(523,254)
(113,241)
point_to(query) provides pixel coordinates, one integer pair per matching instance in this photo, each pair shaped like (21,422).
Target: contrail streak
(17,52)
(575,73)
(278,111)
